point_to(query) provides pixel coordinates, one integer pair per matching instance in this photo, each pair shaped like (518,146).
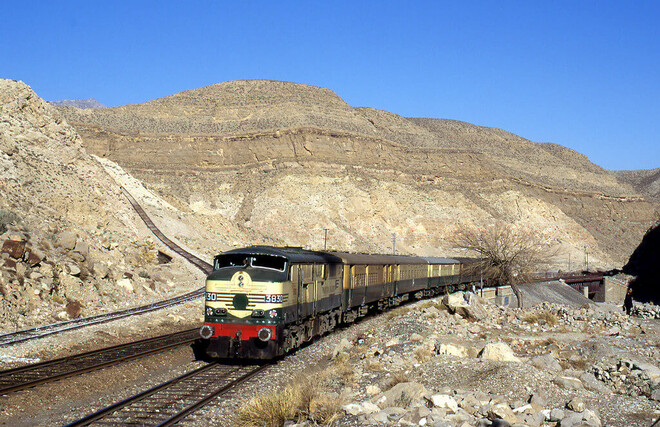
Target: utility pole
(586,256)
(325,240)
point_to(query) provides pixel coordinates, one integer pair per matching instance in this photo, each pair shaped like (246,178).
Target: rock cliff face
(277,162)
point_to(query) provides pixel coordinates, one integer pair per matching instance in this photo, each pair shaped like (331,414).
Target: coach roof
(360,259)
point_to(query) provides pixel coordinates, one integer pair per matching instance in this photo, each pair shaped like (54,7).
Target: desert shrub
(397,377)
(423,354)
(543,317)
(342,368)
(302,399)
(374,365)
(7,218)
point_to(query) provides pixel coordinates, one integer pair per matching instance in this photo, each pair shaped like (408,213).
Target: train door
(299,285)
(388,281)
(316,283)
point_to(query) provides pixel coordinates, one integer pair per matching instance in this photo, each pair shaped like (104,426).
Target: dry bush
(423,354)
(543,317)
(374,365)
(7,218)
(509,254)
(302,399)
(397,377)
(342,369)
(271,409)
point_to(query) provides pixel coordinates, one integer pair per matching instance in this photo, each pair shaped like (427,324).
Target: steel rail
(198,262)
(45,330)
(201,380)
(195,406)
(39,373)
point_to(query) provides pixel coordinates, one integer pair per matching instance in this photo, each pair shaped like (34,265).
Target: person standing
(628,301)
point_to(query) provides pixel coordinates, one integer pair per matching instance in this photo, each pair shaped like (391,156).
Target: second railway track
(32,375)
(171,401)
(42,331)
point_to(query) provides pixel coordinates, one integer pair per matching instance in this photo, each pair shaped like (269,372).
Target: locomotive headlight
(206,331)
(221,311)
(265,334)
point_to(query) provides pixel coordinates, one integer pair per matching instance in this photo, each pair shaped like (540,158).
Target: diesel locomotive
(262,301)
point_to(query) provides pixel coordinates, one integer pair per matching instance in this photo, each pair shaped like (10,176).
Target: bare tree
(508,254)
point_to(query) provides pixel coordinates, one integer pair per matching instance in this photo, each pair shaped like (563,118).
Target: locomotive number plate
(274,298)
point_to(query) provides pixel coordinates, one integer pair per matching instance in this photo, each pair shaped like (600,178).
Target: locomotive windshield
(250,260)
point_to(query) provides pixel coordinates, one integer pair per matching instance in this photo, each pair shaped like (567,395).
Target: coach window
(319,271)
(332,270)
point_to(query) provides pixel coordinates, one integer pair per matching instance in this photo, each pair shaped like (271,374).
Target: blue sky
(583,74)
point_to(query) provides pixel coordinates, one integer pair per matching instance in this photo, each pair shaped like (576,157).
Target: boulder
(444,401)
(363,408)
(34,257)
(576,405)
(126,284)
(499,352)
(451,350)
(341,347)
(590,382)
(655,395)
(82,248)
(66,240)
(101,270)
(582,419)
(465,304)
(546,362)
(569,383)
(72,269)
(14,248)
(402,394)
(502,411)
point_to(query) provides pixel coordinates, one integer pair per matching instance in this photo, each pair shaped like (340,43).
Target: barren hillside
(276,162)
(70,243)
(646,182)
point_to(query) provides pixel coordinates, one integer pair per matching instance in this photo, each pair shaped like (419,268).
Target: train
(262,302)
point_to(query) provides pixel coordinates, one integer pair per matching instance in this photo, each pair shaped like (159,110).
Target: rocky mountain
(78,103)
(275,162)
(70,244)
(646,182)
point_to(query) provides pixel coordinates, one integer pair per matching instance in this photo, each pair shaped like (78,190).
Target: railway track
(196,261)
(42,331)
(31,375)
(171,401)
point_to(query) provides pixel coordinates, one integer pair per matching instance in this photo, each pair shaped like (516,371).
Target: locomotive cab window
(231,260)
(244,261)
(267,261)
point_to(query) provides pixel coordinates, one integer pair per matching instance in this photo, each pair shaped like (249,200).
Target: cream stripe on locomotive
(253,299)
